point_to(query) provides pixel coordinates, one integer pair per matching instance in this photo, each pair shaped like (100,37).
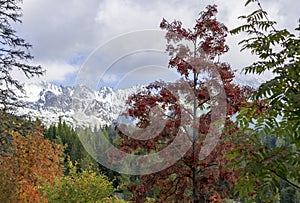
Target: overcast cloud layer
(64,32)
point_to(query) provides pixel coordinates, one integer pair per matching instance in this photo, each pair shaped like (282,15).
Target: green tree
(274,109)
(86,186)
(14,54)
(288,194)
(95,149)
(74,149)
(67,136)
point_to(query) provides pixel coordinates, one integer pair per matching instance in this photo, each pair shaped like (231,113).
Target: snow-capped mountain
(78,106)
(81,107)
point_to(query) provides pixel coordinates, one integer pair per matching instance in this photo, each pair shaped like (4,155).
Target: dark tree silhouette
(14,55)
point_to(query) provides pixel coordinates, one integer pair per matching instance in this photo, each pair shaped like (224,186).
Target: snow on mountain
(78,106)
(252,80)
(81,107)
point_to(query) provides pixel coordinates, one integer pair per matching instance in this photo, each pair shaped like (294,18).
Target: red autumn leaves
(187,107)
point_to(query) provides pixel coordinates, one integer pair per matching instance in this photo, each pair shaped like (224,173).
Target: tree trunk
(195,195)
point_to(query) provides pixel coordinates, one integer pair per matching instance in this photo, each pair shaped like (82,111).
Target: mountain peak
(79,106)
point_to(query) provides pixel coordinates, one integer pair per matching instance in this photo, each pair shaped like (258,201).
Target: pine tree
(14,55)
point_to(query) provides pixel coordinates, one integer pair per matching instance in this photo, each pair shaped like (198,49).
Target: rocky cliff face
(81,107)
(78,106)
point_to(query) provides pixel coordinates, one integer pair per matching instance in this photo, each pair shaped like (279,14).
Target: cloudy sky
(66,34)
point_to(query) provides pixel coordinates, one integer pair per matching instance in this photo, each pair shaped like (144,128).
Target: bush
(86,186)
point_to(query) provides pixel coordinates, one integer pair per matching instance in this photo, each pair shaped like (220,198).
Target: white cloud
(110,78)
(56,71)
(60,30)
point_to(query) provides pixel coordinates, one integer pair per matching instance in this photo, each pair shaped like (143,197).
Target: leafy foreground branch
(273,112)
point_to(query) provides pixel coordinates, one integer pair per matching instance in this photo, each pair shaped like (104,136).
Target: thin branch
(258,3)
(286,180)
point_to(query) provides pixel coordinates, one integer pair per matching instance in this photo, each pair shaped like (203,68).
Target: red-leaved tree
(186,108)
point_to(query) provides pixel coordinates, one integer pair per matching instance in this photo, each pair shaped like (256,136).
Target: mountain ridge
(78,106)
(81,107)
